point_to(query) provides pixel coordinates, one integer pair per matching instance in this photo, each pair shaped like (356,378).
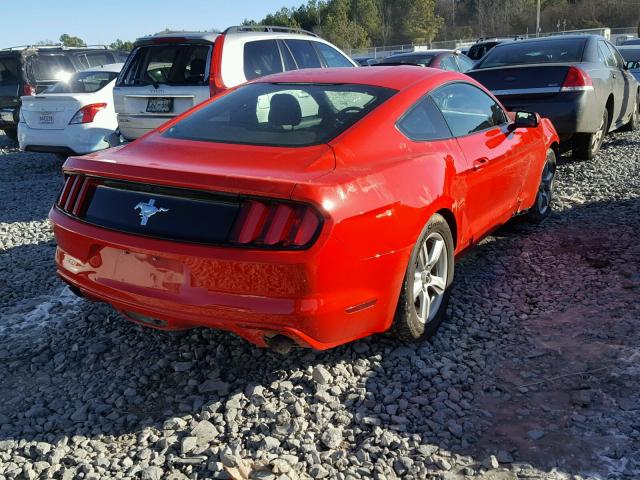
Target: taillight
(28,90)
(576,80)
(73,196)
(87,113)
(275,224)
(216,85)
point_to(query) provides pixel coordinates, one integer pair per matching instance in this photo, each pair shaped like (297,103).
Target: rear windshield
(50,67)
(422,60)
(83,82)
(525,53)
(168,65)
(8,71)
(281,114)
(476,52)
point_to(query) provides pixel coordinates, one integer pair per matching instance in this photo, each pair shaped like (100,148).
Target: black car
(631,55)
(31,70)
(366,62)
(580,82)
(443,59)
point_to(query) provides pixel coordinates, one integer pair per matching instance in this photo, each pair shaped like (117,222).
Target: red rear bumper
(320,298)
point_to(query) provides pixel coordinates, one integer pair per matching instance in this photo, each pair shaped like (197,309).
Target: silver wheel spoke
(425,304)
(438,284)
(417,286)
(438,245)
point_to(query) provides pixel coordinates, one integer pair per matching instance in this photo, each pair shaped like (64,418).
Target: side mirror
(525,120)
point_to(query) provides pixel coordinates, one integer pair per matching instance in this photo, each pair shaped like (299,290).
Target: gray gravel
(535,374)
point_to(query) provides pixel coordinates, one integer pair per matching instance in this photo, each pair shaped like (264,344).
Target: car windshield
(83,82)
(8,71)
(527,53)
(422,60)
(168,65)
(277,114)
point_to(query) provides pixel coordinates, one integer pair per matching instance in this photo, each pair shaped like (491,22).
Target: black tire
(12,133)
(407,325)
(544,198)
(634,122)
(587,145)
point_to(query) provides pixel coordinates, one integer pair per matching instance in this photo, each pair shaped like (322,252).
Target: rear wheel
(587,145)
(544,198)
(12,133)
(632,124)
(426,288)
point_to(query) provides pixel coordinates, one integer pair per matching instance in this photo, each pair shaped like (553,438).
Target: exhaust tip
(281,344)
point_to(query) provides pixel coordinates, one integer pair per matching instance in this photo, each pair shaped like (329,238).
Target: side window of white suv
(332,57)
(261,58)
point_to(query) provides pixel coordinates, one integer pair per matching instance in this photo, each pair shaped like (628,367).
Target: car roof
(395,77)
(111,67)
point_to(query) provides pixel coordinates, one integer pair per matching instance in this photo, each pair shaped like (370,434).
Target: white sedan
(75,116)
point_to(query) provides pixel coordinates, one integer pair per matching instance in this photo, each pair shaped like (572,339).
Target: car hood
(232,168)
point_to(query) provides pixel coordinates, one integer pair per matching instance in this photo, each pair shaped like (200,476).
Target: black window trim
(427,97)
(501,125)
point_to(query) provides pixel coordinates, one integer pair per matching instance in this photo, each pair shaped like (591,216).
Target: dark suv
(30,70)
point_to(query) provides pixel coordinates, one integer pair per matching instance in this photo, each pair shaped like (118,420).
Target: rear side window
(464,63)
(50,67)
(476,52)
(99,58)
(605,56)
(84,82)
(261,58)
(449,63)
(618,58)
(168,65)
(331,56)
(8,71)
(424,122)
(303,53)
(467,109)
(528,52)
(281,114)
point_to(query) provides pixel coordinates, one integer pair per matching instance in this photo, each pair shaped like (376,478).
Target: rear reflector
(28,90)
(577,80)
(275,224)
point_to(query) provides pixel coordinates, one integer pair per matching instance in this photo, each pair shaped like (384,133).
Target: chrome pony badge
(148,210)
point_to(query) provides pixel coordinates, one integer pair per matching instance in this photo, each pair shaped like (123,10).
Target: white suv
(166,74)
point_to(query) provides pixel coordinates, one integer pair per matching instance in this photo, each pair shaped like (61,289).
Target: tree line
(362,23)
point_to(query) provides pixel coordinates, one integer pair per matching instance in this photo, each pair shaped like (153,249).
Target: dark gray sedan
(580,82)
(631,55)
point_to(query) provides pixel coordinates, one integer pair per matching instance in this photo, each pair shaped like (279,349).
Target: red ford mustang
(308,208)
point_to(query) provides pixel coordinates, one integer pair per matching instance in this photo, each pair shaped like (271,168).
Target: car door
(628,84)
(496,166)
(616,80)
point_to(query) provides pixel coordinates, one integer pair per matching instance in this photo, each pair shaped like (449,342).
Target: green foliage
(124,46)
(69,41)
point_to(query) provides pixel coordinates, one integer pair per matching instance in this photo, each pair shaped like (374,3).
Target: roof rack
(268,28)
(55,45)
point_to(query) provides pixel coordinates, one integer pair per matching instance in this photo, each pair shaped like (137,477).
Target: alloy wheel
(430,278)
(545,190)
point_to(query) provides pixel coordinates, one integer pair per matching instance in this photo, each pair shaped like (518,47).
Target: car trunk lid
(522,81)
(209,166)
(52,111)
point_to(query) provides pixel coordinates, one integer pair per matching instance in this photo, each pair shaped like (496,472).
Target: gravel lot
(535,375)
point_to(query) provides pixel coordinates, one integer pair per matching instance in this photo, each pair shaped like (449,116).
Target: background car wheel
(544,199)
(587,145)
(12,133)
(635,118)
(427,284)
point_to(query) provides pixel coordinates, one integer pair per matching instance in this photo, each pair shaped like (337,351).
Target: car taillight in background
(275,224)
(87,113)
(28,90)
(216,85)
(576,80)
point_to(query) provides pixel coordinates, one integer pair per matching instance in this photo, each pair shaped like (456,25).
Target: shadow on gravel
(535,365)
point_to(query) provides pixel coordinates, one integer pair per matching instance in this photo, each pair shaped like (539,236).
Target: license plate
(46,118)
(6,116)
(160,105)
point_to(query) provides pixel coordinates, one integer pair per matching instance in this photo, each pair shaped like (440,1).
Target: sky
(102,21)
